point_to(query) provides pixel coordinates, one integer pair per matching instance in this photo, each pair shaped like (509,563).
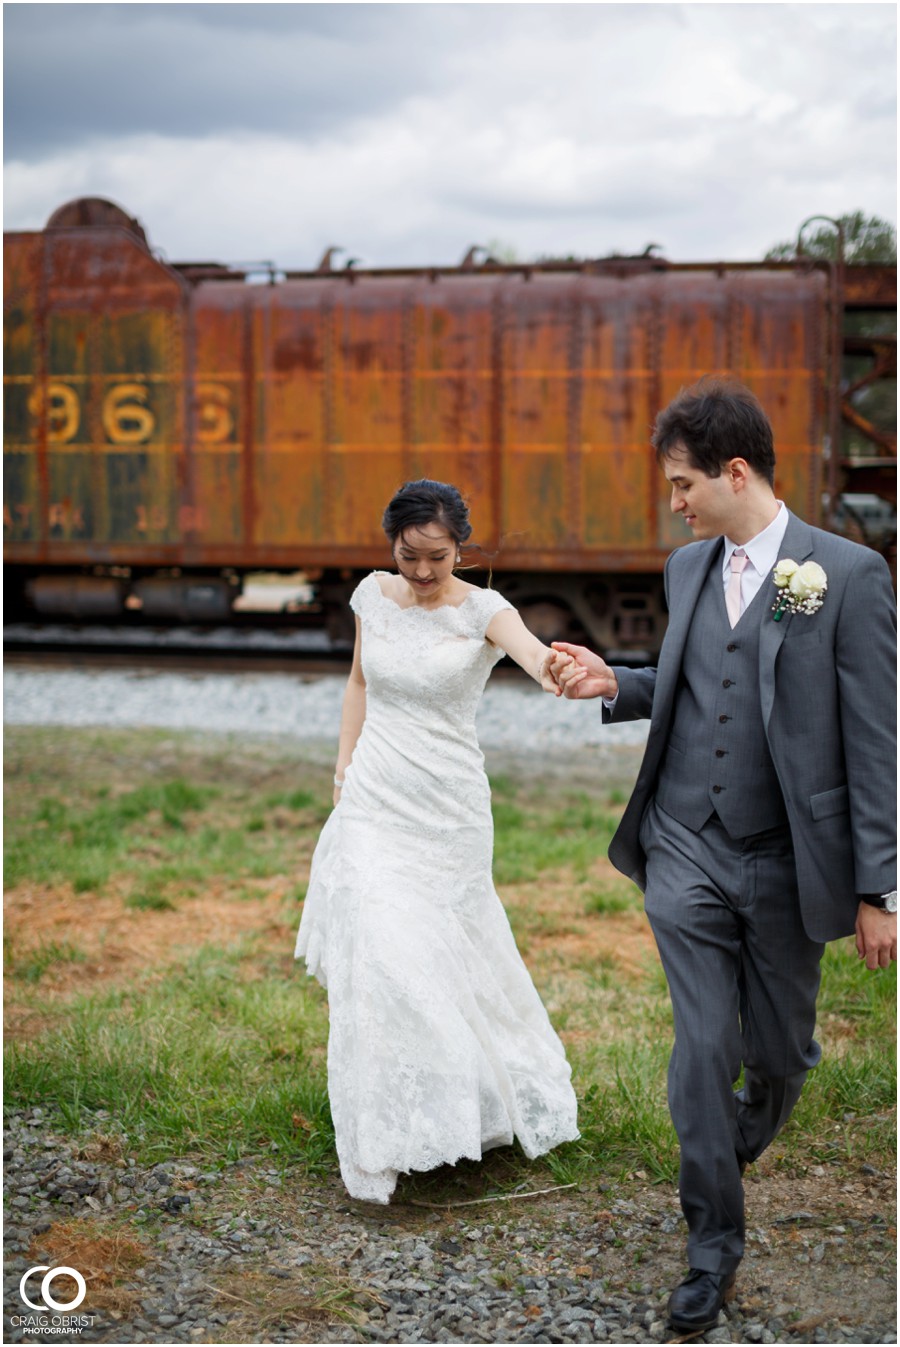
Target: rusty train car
(170,428)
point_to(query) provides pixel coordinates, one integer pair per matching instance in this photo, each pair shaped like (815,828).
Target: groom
(762,823)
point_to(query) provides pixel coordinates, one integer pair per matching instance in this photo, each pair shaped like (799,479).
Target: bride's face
(425,557)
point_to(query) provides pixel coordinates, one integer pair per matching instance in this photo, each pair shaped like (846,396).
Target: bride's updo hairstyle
(427,502)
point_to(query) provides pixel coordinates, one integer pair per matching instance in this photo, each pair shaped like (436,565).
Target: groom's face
(708,505)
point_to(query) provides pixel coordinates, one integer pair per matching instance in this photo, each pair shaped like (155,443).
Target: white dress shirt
(762,554)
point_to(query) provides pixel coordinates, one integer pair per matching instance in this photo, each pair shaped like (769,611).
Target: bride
(439,1047)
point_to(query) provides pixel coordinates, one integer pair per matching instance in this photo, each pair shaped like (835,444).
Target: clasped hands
(575,672)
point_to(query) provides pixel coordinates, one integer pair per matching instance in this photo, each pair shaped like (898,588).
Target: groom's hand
(876,936)
(587,675)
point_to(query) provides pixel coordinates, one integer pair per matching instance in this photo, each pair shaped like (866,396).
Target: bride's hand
(584,673)
(548,673)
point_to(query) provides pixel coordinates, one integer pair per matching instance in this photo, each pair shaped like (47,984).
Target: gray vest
(717,760)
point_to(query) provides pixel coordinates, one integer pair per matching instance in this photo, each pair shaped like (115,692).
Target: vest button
(726,682)
(731,648)
(717,790)
(722,719)
(720,752)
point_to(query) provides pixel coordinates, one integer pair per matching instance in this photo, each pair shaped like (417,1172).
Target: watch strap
(885,902)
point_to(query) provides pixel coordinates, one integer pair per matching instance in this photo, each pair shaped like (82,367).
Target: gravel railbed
(512,716)
(242,1253)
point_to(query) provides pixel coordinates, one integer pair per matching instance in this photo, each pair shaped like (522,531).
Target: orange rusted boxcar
(184,424)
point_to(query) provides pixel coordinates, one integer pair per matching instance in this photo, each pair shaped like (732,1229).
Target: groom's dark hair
(716,420)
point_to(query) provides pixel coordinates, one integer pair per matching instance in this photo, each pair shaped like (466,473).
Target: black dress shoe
(694,1305)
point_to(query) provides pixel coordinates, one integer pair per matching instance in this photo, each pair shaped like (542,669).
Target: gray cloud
(75,72)
(407,132)
(82,71)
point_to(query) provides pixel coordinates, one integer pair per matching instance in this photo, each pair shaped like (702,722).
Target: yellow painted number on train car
(125,418)
(63,412)
(215,419)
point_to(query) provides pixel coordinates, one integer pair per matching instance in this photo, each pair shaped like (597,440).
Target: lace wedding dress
(439,1046)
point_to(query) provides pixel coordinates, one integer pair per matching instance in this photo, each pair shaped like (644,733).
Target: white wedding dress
(439,1046)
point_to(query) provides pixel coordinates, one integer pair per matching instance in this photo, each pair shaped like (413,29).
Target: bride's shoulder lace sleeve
(486,606)
(363,595)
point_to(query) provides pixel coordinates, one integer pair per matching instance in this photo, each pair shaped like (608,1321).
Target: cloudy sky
(406,132)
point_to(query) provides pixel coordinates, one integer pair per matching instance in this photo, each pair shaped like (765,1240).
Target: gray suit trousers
(743,977)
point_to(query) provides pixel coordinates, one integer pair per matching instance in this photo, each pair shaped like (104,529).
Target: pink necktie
(733,592)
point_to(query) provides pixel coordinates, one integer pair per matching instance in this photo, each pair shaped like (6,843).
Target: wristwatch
(887,902)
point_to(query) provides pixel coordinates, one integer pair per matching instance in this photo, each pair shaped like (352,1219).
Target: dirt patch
(262,1303)
(557,931)
(110,944)
(105,1257)
(624,943)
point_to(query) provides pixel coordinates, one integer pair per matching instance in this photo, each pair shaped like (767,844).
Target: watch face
(890,902)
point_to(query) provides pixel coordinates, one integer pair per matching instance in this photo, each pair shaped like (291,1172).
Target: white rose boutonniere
(800,587)
(783,572)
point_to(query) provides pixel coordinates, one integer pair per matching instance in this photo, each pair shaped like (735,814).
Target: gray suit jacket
(827,684)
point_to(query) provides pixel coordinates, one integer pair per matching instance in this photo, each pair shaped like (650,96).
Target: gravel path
(246,1254)
(513,716)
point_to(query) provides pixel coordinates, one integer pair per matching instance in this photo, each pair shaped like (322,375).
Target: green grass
(852,995)
(296,799)
(66,839)
(609,899)
(170,833)
(625,1117)
(223,1054)
(530,841)
(200,1062)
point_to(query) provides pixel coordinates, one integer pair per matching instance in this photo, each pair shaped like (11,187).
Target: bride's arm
(352,715)
(507,630)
